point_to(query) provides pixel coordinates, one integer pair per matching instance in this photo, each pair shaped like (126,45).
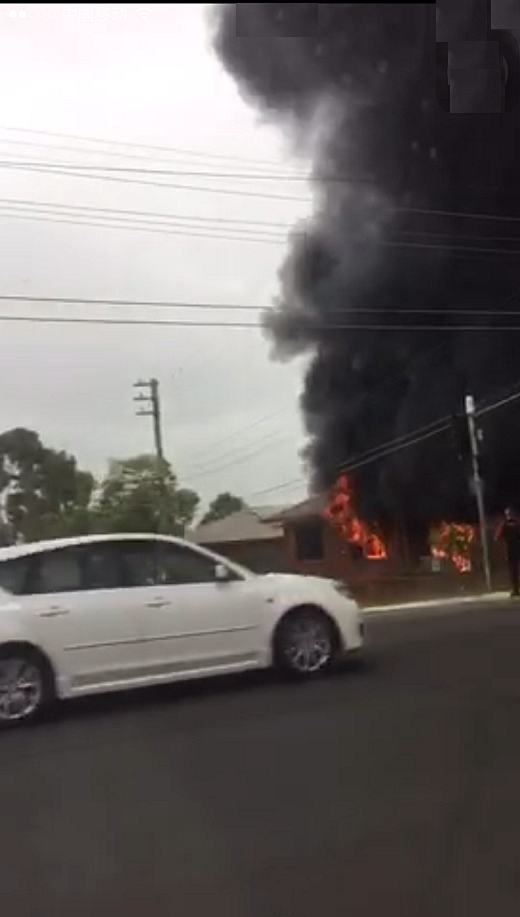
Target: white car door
(81,618)
(191,622)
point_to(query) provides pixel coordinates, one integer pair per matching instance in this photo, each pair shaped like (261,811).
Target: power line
(115,221)
(497,404)
(396,448)
(240,192)
(125,145)
(43,214)
(146,170)
(238,460)
(167,231)
(161,215)
(245,429)
(278,487)
(393,442)
(458,213)
(177,304)
(113,212)
(225,162)
(451,248)
(459,237)
(411,439)
(89,320)
(219,156)
(267,438)
(187,323)
(134,145)
(417,439)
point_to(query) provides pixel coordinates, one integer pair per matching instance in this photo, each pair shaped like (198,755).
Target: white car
(105,612)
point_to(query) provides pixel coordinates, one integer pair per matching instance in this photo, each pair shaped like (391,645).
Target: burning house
(394,284)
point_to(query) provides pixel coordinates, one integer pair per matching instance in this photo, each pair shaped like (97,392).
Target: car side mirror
(222,574)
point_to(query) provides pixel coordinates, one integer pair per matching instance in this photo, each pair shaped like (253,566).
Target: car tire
(306,643)
(26,686)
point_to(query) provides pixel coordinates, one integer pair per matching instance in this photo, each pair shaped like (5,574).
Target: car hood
(295,579)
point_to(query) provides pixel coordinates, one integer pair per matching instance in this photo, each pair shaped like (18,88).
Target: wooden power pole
(151,408)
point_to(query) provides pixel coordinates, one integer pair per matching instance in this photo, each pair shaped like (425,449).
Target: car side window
(139,563)
(13,575)
(177,565)
(103,566)
(58,571)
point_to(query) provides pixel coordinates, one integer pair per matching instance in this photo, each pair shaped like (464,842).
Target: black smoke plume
(386,154)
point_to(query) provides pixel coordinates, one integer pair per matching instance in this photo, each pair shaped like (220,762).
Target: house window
(308,539)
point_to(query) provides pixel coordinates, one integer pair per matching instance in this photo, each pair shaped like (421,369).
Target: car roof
(34,547)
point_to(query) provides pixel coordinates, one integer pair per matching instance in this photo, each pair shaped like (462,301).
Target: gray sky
(142,74)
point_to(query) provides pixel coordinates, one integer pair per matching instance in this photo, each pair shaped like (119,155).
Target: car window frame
(124,544)
(111,547)
(22,559)
(203,557)
(36,564)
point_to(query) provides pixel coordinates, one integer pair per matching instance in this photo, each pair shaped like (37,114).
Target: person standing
(509,532)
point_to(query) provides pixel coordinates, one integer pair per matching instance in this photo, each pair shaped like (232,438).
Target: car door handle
(55,611)
(159,603)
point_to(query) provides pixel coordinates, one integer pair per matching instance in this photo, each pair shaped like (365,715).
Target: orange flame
(452,541)
(340,513)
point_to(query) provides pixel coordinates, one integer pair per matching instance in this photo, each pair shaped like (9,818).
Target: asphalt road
(390,791)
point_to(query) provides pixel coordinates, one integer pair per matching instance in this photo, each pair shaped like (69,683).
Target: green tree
(223,505)
(139,495)
(43,493)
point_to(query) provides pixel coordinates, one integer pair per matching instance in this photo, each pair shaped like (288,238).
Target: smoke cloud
(386,153)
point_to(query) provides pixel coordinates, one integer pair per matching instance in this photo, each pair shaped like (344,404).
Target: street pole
(477,482)
(156,414)
(152,408)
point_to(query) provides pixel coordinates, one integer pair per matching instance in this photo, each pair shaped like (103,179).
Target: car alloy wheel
(306,643)
(21,688)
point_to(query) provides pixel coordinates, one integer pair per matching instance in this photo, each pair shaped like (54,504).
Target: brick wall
(376,582)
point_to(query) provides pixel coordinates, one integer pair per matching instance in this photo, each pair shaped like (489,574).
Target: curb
(437,603)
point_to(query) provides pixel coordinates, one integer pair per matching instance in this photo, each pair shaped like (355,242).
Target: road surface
(393,791)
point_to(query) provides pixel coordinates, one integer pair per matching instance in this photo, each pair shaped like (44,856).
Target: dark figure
(509,532)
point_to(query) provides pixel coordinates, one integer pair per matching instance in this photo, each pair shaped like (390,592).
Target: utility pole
(151,408)
(477,483)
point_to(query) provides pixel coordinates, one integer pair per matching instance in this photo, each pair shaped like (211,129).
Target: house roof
(244,525)
(306,509)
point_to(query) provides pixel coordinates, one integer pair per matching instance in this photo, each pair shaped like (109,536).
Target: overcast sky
(142,75)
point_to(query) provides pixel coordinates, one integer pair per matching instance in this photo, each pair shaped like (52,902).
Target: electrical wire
(278,487)
(132,144)
(239,448)
(43,214)
(188,323)
(113,212)
(498,404)
(247,428)
(185,232)
(458,213)
(238,460)
(213,306)
(146,170)
(397,440)
(396,448)
(240,192)
(412,439)
(125,145)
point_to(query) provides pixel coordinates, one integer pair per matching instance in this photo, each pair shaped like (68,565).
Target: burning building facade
(402,285)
